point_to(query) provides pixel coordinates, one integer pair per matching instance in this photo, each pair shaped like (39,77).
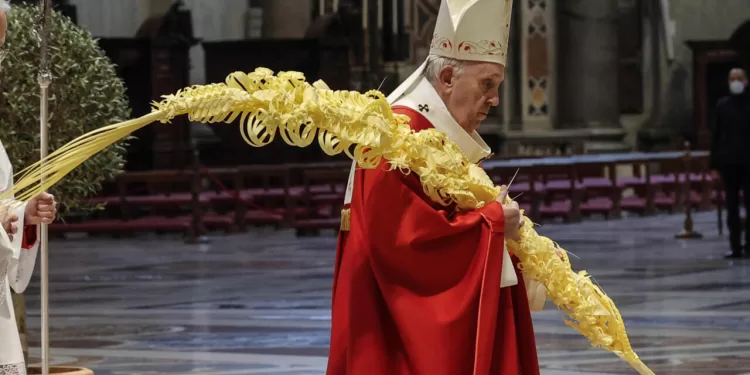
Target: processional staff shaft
(44,79)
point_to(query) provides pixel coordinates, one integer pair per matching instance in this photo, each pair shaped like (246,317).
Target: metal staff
(44,79)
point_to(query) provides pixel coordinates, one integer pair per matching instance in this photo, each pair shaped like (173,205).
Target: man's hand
(42,209)
(513,221)
(559,252)
(10,226)
(512,214)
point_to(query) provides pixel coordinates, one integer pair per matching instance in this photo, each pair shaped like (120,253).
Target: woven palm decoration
(363,127)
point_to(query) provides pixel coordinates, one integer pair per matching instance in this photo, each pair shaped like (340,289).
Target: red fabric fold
(417,286)
(29,237)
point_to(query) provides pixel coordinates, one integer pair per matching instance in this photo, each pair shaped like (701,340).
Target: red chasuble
(417,286)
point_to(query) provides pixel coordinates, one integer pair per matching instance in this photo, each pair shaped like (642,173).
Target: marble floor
(258,303)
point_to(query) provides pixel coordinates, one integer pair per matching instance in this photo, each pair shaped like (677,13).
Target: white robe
(16,267)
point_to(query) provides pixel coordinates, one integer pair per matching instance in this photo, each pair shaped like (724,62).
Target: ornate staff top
(42,32)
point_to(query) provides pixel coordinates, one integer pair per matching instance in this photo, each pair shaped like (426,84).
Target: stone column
(214,21)
(285,19)
(112,18)
(537,27)
(588,66)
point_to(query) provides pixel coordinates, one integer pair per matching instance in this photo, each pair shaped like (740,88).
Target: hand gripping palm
(365,129)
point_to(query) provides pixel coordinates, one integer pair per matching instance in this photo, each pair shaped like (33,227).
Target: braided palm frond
(365,129)
(61,162)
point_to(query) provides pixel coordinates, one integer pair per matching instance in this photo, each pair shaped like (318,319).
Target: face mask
(737,87)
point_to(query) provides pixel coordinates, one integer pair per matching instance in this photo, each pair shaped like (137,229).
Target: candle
(335,6)
(322,7)
(364,14)
(380,14)
(395,16)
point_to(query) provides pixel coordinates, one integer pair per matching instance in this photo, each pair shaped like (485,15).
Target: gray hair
(733,71)
(5,6)
(436,63)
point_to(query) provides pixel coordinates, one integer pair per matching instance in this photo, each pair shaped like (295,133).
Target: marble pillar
(588,68)
(112,18)
(214,21)
(537,46)
(424,16)
(285,19)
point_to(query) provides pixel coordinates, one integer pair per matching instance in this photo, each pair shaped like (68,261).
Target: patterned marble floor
(258,303)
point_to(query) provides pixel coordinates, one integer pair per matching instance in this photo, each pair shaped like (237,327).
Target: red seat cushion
(270,193)
(631,181)
(145,224)
(597,205)
(327,198)
(263,217)
(662,200)
(213,220)
(663,179)
(699,177)
(325,223)
(562,185)
(597,182)
(219,197)
(633,203)
(151,200)
(321,189)
(555,209)
(518,187)
(163,199)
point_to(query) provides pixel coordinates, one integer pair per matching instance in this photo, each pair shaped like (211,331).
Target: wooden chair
(602,193)
(266,195)
(168,201)
(324,193)
(564,193)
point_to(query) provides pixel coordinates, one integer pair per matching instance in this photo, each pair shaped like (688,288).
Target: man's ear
(445,76)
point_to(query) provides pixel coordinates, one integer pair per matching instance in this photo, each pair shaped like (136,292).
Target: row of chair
(309,197)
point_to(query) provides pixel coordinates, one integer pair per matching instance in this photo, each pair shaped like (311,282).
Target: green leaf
(85,94)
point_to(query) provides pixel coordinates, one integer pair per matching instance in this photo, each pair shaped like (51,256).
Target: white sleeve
(21,267)
(6,254)
(22,261)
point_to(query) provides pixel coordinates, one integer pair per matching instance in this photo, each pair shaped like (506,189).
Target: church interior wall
(213,20)
(535,57)
(694,20)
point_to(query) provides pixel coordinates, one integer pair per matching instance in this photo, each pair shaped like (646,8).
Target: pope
(420,288)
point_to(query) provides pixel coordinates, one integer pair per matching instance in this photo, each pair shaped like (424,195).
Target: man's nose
(494,101)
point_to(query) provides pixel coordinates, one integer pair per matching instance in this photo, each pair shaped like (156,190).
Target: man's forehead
(488,69)
(737,74)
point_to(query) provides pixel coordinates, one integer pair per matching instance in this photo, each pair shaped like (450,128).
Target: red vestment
(417,286)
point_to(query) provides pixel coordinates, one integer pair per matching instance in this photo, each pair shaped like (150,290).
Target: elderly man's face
(471,93)
(737,81)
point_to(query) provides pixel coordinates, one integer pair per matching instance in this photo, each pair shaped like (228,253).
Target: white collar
(424,99)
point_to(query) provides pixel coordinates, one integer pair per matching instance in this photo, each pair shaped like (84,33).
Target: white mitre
(469,30)
(4,6)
